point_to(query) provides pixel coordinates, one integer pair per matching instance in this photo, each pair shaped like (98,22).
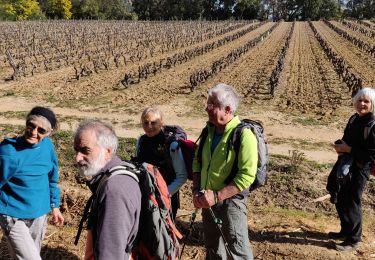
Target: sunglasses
(153,123)
(39,129)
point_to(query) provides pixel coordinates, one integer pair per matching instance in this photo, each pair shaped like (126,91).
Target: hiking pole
(218,222)
(192,219)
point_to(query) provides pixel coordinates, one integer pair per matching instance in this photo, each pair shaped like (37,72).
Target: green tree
(149,9)
(102,9)
(20,10)
(85,9)
(302,9)
(247,9)
(59,9)
(361,9)
(329,10)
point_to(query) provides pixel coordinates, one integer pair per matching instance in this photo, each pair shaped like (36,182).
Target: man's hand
(89,250)
(196,201)
(57,217)
(204,199)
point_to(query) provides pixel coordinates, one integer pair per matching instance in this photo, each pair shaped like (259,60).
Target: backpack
(157,236)
(367,131)
(235,138)
(176,133)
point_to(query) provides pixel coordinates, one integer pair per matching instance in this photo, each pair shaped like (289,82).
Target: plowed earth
(361,63)
(309,110)
(356,34)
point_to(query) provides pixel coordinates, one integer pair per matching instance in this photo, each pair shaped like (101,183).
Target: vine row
(151,69)
(353,82)
(274,79)
(357,28)
(358,42)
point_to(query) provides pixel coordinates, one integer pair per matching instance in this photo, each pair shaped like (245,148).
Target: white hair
(105,135)
(367,93)
(226,96)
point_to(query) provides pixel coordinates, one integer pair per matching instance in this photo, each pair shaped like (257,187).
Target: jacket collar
(228,127)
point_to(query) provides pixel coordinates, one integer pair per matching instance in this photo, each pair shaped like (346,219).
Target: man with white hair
(115,210)
(215,190)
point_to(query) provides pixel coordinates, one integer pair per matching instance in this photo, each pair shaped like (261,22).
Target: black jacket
(363,148)
(359,134)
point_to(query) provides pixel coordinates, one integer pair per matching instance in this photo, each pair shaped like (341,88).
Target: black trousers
(349,206)
(175,204)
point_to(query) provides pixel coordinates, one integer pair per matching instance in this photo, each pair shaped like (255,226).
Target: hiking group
(134,204)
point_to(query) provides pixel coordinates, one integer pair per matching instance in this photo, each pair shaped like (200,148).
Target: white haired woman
(359,142)
(28,185)
(153,148)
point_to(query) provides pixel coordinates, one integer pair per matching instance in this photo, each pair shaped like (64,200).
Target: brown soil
(309,111)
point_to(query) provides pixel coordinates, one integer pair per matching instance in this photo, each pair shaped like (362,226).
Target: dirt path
(277,125)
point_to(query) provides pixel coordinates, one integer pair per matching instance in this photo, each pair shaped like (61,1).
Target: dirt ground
(307,113)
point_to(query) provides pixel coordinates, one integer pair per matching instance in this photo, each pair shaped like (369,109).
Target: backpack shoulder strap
(235,137)
(121,169)
(124,170)
(202,138)
(235,142)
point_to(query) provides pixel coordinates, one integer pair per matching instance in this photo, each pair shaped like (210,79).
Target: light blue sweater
(28,178)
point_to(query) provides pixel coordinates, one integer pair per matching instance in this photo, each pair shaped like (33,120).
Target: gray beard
(92,168)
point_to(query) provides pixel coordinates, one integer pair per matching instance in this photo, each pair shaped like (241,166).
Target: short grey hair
(226,95)
(367,93)
(152,110)
(105,134)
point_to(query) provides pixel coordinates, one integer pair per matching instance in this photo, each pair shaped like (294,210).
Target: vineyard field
(297,78)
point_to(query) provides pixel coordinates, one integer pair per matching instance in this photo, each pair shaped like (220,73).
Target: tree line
(288,10)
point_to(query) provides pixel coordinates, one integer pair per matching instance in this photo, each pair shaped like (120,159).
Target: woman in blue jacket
(28,185)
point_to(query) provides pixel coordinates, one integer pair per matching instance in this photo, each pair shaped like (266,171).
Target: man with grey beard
(115,210)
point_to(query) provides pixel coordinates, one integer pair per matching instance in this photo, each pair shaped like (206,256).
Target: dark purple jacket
(114,216)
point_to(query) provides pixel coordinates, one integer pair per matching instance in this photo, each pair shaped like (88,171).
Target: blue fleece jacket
(28,178)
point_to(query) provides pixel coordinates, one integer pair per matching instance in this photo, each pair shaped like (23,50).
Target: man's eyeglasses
(39,129)
(147,123)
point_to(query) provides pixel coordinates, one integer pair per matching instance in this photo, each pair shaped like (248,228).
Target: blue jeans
(233,214)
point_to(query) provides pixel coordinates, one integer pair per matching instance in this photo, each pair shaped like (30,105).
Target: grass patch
(14,114)
(10,130)
(290,213)
(275,162)
(298,143)
(290,164)
(371,185)
(306,121)
(9,93)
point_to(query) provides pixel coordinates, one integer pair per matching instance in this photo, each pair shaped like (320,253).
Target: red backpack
(176,133)
(157,236)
